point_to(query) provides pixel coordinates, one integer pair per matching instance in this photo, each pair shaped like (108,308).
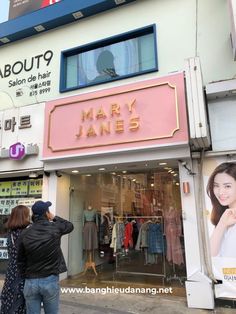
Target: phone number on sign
(41,91)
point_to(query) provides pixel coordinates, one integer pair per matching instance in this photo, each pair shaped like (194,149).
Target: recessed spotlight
(162,163)
(177,183)
(102,169)
(39,28)
(33,174)
(75,171)
(77,15)
(152,184)
(5,40)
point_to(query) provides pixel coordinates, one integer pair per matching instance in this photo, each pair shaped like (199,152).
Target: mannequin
(90,229)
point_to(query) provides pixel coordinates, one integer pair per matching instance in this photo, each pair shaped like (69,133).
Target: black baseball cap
(39,208)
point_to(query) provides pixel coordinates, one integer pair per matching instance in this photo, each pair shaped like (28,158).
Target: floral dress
(12,298)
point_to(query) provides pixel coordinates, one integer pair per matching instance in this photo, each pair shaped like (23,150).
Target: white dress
(228,244)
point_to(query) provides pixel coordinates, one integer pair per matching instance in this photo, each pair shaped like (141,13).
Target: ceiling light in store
(33,174)
(124,171)
(162,163)
(134,180)
(77,15)
(177,183)
(175,174)
(39,28)
(88,175)
(75,171)
(152,184)
(114,173)
(5,40)
(170,170)
(102,169)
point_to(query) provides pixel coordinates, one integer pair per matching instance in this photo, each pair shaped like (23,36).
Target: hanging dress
(173,231)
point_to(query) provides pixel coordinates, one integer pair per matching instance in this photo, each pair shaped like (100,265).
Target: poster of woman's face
(220,186)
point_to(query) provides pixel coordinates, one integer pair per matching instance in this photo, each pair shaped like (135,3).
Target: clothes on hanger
(173,230)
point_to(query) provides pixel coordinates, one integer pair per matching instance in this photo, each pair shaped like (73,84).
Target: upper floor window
(119,57)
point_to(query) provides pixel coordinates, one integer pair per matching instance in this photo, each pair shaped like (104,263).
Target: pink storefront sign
(149,113)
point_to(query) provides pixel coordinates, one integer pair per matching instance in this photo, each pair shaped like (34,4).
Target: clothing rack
(175,277)
(138,217)
(163,274)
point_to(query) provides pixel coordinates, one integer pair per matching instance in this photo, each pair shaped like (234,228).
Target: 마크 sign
(147,113)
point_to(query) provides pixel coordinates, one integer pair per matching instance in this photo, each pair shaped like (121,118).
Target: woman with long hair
(12,298)
(221,189)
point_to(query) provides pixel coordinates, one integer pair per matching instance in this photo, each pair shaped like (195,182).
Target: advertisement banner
(5,189)
(19,188)
(21,7)
(220,187)
(35,187)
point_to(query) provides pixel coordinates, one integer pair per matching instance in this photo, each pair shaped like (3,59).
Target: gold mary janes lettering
(107,127)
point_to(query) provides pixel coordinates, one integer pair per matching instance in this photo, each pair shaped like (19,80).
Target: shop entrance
(128,225)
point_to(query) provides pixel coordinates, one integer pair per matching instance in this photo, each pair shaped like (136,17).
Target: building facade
(126,114)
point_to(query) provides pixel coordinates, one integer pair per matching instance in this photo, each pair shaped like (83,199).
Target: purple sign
(17,151)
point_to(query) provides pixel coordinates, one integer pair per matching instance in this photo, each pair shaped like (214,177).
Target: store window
(119,57)
(131,224)
(12,193)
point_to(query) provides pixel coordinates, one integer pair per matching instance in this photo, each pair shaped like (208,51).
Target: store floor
(108,276)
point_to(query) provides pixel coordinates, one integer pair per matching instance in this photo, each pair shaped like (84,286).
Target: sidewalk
(80,303)
(130,303)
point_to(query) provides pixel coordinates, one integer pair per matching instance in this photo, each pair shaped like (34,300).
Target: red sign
(21,7)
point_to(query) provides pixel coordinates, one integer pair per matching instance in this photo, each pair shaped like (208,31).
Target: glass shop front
(128,227)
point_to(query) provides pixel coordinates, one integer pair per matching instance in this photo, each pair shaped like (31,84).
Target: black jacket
(39,249)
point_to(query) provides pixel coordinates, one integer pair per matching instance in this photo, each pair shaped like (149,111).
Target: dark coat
(39,251)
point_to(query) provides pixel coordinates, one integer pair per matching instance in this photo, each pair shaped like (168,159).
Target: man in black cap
(40,259)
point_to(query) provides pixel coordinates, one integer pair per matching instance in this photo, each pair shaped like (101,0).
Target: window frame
(150,29)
